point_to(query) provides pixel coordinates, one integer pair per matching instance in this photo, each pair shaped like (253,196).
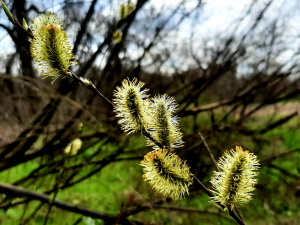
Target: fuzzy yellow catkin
(132,106)
(167,173)
(164,126)
(235,181)
(73,147)
(50,47)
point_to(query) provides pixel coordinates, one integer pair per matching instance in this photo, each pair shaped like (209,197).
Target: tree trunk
(23,45)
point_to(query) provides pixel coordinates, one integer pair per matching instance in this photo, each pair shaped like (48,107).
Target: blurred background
(233,67)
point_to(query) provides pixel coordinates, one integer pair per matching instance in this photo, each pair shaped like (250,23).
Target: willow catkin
(50,46)
(235,182)
(132,106)
(164,127)
(167,173)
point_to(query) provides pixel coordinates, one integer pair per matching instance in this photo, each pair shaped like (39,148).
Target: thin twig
(91,87)
(101,95)
(209,151)
(239,212)
(203,188)
(27,220)
(16,23)
(154,141)
(231,213)
(216,164)
(56,189)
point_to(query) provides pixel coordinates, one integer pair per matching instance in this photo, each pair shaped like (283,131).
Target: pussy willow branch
(209,151)
(92,88)
(207,191)
(16,23)
(216,165)
(231,213)
(70,74)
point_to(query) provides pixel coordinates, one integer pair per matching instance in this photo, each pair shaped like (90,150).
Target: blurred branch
(27,220)
(278,123)
(34,8)
(283,171)
(272,158)
(83,26)
(209,151)
(221,70)
(248,131)
(21,192)
(189,210)
(243,94)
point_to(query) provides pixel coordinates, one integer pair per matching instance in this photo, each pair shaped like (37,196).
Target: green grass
(103,192)
(275,201)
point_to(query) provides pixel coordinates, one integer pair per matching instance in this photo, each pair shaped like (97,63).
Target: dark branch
(21,192)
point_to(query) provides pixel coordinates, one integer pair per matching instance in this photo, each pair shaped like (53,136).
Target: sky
(216,18)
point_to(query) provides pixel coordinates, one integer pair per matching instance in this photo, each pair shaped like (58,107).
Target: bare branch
(21,192)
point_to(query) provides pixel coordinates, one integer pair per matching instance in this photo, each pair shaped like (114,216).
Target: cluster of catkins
(166,172)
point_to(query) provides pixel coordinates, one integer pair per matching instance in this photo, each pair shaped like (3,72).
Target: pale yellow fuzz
(50,47)
(164,126)
(132,106)
(44,20)
(235,182)
(167,173)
